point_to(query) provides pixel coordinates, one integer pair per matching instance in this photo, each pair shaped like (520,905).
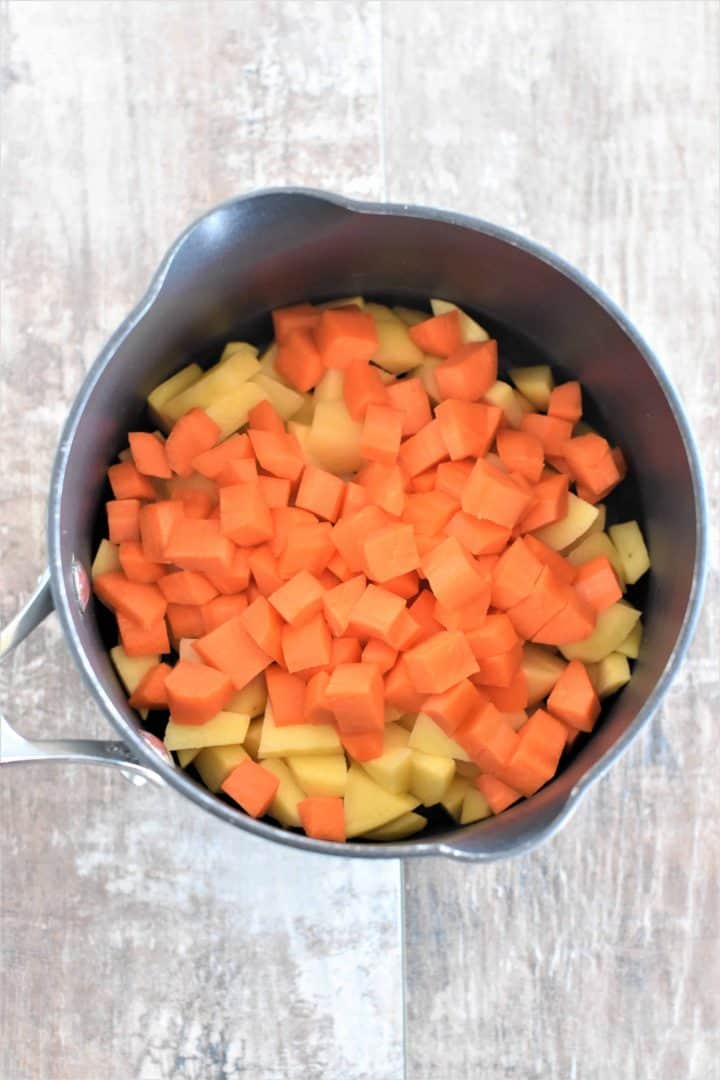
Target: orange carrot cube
(252,787)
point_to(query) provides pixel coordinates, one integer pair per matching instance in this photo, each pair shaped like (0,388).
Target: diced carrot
(469,372)
(404,632)
(424,482)
(230,648)
(496,634)
(379,653)
(573,698)
(287,696)
(264,569)
(275,490)
(349,535)
(487,737)
(552,432)
(389,552)
(135,565)
(150,692)
(235,578)
(515,574)
(466,617)
(439,335)
(306,646)
(467,427)
(211,463)
(365,745)
(123,520)
(280,455)
(355,695)
(566,402)
(323,817)
(299,361)
(144,604)
(521,452)
(363,387)
(426,544)
(400,690)
(356,498)
(549,504)
(574,622)
(238,471)
(264,417)
(510,698)
(498,795)
(410,398)
(453,575)
(405,585)
(592,463)
(339,567)
(244,515)
(286,320)
(192,434)
(439,662)
(375,614)
(149,455)
(423,449)
(196,504)
(345,335)
(429,511)
(264,626)
(251,787)
(493,495)
(143,641)
(220,609)
(345,650)
(596,582)
(499,669)
(127,483)
(381,434)
(562,569)
(541,742)
(451,708)
(299,598)
(199,545)
(308,547)
(385,484)
(547,598)
(321,493)
(186,621)
(451,477)
(620,461)
(317,710)
(478,537)
(422,611)
(196,692)
(285,519)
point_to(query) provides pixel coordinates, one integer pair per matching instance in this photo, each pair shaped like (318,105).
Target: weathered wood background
(141,940)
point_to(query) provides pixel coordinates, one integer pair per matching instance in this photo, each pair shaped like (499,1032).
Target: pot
(276,247)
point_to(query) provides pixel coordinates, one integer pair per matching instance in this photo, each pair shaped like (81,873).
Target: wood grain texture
(593,128)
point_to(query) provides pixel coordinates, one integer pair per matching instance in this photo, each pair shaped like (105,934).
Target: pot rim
(65,602)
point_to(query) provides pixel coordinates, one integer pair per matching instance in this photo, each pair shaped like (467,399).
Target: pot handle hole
(15,749)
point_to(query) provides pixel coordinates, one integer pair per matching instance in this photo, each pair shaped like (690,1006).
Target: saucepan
(275,247)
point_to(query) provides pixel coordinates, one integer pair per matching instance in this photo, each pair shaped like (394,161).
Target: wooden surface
(142,940)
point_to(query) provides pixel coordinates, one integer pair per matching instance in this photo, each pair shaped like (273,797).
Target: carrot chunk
(514,575)
(547,597)
(487,737)
(323,817)
(469,372)
(218,611)
(592,464)
(364,746)
(127,483)
(451,477)
(478,537)
(287,696)
(264,569)
(385,486)
(574,622)
(549,504)
(298,599)
(186,621)
(317,710)
(451,708)
(390,552)
(552,432)
(495,635)
(559,565)
(521,452)
(123,520)
(376,614)
(350,533)
(541,742)
(453,575)
(308,547)
(345,650)
(275,490)
(265,417)
(439,662)
(573,698)
(264,626)
(307,646)
(410,398)
(345,335)
(149,454)
(199,545)
(439,335)
(379,653)
(467,427)
(429,511)
(143,641)
(187,587)
(286,320)
(381,434)
(144,604)
(280,455)
(500,668)
(192,434)
(135,565)
(355,695)
(423,449)
(566,402)
(498,795)
(251,787)
(244,514)
(210,463)
(321,493)
(422,611)
(235,578)
(151,692)
(299,361)
(339,602)
(363,387)
(510,698)
(400,690)
(596,582)
(494,496)
(196,692)
(405,585)
(231,649)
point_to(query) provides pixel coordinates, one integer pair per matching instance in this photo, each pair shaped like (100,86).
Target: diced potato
(320,774)
(600,521)
(131,669)
(469,329)
(297,739)
(380,312)
(221,380)
(609,674)
(305,413)
(631,550)
(579,518)
(106,559)
(267,364)
(173,386)
(302,434)
(225,729)
(286,401)
(230,409)
(392,769)
(396,351)
(251,741)
(535,383)
(335,438)
(185,757)
(367,805)
(343,301)
(430,739)
(475,807)
(399,829)
(426,374)
(284,807)
(251,699)
(612,627)
(330,387)
(631,645)
(410,316)
(215,763)
(430,777)
(542,668)
(514,405)
(593,546)
(453,798)
(230,348)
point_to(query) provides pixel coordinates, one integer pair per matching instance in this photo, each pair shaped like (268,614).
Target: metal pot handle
(15,749)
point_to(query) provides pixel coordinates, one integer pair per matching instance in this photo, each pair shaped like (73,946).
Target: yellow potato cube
(343,301)
(221,380)
(399,829)
(426,374)
(430,777)
(296,739)
(230,410)
(396,351)
(631,645)
(453,798)
(106,559)
(410,316)
(330,387)
(469,329)
(368,806)
(592,546)
(427,737)
(251,742)
(514,405)
(631,550)
(131,669)
(535,383)
(305,413)
(173,386)
(579,519)
(612,627)
(229,348)
(286,401)
(302,434)
(225,729)
(320,774)
(542,668)
(392,769)
(335,438)
(475,807)
(215,763)
(284,807)
(186,756)
(609,674)
(267,364)
(251,699)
